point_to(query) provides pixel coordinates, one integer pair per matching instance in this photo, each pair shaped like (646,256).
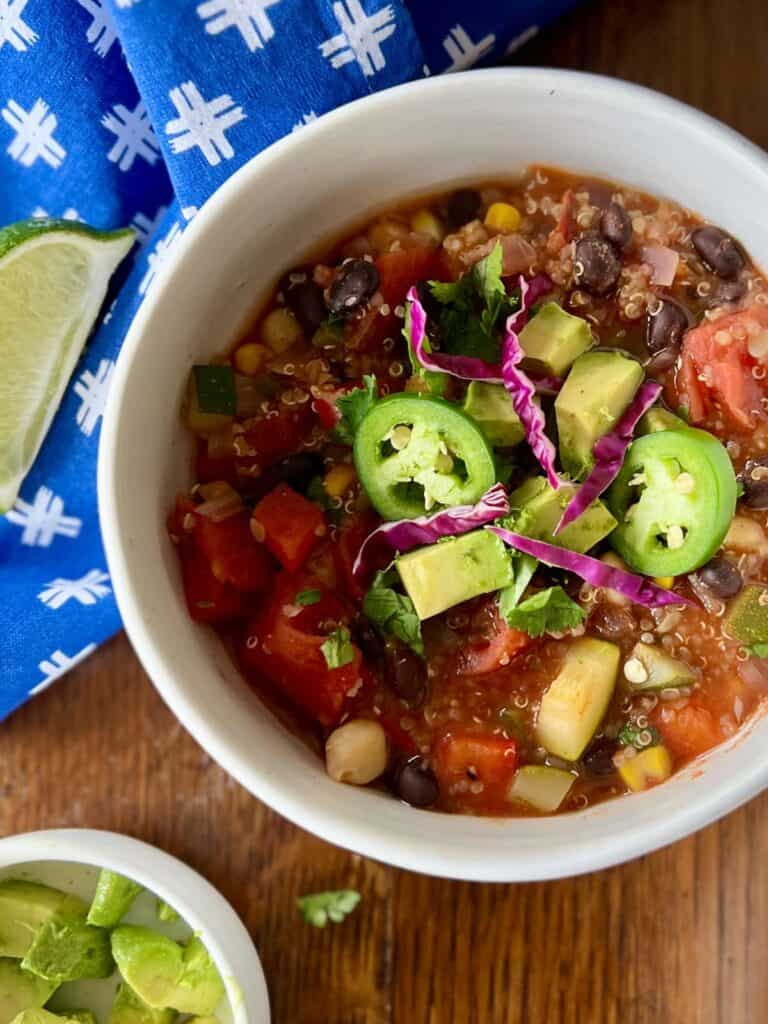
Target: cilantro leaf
(318,908)
(393,613)
(509,597)
(354,406)
(304,598)
(337,649)
(548,611)
(630,736)
(758,650)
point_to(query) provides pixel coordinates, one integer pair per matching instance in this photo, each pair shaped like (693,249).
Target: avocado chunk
(149,962)
(663,671)
(553,339)
(492,409)
(40,1016)
(747,618)
(165,911)
(537,508)
(200,988)
(596,392)
(21,990)
(24,909)
(659,418)
(129,1008)
(66,948)
(80,1016)
(112,899)
(574,704)
(454,570)
(541,787)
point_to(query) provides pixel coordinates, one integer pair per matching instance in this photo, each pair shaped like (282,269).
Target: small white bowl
(303,190)
(70,859)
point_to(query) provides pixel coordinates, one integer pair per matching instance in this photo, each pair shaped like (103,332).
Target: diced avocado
(24,909)
(663,671)
(553,339)
(659,418)
(41,1016)
(491,407)
(129,1008)
(66,948)
(165,911)
(747,618)
(596,392)
(454,570)
(80,1016)
(112,899)
(541,787)
(647,768)
(149,962)
(203,1020)
(537,508)
(200,988)
(574,704)
(21,990)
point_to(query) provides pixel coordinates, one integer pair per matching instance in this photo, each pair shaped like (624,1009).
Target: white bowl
(302,190)
(70,859)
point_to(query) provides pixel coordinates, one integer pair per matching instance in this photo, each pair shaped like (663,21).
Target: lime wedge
(53,279)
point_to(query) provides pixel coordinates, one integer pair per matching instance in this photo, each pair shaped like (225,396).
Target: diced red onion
(609,452)
(638,589)
(221,501)
(406,534)
(522,389)
(662,261)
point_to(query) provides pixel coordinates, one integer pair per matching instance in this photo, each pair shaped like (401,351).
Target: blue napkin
(123,112)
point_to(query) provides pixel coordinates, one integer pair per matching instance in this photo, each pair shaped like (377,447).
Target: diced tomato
(503,645)
(470,757)
(233,553)
(292,525)
(353,532)
(209,469)
(276,437)
(688,731)
(208,599)
(286,648)
(710,370)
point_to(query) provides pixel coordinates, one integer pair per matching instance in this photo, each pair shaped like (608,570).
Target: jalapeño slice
(415,455)
(674,500)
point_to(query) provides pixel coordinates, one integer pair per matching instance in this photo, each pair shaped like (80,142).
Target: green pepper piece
(674,500)
(415,454)
(215,389)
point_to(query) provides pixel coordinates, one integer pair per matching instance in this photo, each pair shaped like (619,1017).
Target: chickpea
(356,752)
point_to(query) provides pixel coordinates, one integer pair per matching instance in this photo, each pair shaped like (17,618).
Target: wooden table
(679,937)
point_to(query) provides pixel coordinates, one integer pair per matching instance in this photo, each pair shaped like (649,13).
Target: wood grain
(679,937)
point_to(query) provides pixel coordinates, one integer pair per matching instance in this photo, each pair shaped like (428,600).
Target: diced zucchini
(747,618)
(212,399)
(646,769)
(662,670)
(573,707)
(541,787)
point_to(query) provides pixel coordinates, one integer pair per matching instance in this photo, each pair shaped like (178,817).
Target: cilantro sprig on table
(392,612)
(318,908)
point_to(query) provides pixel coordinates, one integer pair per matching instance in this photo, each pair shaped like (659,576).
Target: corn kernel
(424,222)
(502,217)
(665,581)
(280,330)
(649,767)
(339,479)
(250,358)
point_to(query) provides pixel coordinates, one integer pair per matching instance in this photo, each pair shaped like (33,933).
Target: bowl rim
(198,902)
(367,837)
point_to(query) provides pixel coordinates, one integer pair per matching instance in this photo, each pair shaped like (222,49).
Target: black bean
(727,292)
(305,300)
(718,250)
(721,577)
(355,283)
(371,643)
(598,760)
(597,264)
(299,470)
(415,783)
(407,673)
(755,482)
(461,207)
(615,225)
(666,328)
(663,360)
